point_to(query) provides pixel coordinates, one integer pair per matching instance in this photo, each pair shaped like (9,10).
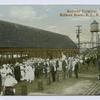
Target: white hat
(4,65)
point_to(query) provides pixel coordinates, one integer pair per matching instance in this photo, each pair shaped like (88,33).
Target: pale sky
(47,17)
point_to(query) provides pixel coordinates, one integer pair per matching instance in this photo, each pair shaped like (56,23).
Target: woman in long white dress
(29,73)
(22,67)
(33,73)
(26,73)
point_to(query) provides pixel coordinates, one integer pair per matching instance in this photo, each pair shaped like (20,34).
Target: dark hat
(9,74)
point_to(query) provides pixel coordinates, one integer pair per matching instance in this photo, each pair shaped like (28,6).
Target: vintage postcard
(50,50)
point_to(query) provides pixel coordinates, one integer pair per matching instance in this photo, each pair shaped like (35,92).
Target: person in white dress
(22,68)
(9,84)
(70,59)
(33,73)
(3,73)
(8,70)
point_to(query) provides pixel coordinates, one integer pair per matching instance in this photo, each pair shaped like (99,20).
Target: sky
(47,17)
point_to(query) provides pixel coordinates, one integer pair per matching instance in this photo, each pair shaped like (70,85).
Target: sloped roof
(15,35)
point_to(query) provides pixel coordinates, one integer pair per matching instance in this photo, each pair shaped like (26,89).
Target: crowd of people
(30,69)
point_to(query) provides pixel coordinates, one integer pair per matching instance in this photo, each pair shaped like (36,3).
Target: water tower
(94,33)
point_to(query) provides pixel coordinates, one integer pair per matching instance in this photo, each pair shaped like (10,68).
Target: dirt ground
(69,86)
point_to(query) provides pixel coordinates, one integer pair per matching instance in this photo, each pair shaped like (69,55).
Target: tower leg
(92,40)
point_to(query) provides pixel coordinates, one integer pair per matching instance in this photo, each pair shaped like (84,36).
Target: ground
(84,85)
(70,86)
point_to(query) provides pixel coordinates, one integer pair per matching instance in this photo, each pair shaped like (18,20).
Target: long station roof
(16,35)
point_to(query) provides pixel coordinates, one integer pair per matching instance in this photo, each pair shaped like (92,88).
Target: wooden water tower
(94,33)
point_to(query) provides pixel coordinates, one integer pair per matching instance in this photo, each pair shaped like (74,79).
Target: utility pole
(78,31)
(98,47)
(98,40)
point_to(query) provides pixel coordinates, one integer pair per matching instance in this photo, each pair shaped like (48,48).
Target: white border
(50,98)
(50,2)
(26,2)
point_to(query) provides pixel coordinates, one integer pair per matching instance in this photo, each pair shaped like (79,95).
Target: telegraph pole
(98,47)
(78,31)
(98,40)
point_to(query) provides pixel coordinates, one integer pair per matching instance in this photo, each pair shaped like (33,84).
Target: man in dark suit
(76,70)
(64,69)
(52,72)
(17,72)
